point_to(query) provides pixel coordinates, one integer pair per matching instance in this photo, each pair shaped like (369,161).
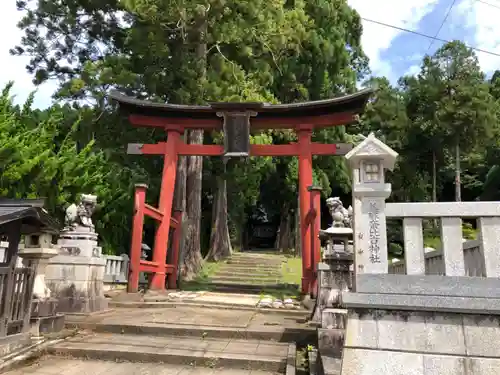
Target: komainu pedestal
(76,275)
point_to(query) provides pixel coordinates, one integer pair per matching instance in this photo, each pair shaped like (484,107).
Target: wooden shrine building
(236,120)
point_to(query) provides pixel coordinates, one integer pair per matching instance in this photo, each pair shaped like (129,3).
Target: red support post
(305,180)
(165,207)
(176,240)
(315,192)
(136,241)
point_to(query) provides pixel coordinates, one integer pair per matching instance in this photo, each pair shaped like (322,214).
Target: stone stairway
(179,340)
(199,351)
(250,272)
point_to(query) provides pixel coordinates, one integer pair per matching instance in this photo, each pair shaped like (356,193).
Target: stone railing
(446,282)
(116,270)
(434,261)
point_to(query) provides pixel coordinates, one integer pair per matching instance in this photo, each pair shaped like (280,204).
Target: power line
(489,4)
(426,36)
(442,23)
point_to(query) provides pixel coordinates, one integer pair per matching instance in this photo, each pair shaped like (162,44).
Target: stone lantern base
(44,318)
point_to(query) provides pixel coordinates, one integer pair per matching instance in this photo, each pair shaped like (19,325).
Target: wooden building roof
(33,217)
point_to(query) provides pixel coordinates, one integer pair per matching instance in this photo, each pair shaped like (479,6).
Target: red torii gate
(237,120)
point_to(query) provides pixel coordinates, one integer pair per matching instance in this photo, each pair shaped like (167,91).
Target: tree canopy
(443,121)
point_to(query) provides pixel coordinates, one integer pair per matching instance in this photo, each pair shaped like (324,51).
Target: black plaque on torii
(236,126)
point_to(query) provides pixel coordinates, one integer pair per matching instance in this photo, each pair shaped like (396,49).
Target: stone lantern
(36,253)
(369,160)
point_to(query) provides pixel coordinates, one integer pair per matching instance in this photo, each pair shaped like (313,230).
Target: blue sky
(392,53)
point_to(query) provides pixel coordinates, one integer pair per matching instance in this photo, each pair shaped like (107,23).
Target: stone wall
(421,343)
(434,261)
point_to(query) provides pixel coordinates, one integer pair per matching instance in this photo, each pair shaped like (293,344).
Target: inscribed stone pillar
(369,160)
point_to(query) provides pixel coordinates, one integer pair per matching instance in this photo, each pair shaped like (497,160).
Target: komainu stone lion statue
(341,216)
(81,214)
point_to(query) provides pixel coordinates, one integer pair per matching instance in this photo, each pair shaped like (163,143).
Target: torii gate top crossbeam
(314,114)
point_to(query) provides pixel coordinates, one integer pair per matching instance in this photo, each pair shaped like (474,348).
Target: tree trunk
(180,204)
(458,185)
(220,242)
(298,242)
(284,231)
(193,261)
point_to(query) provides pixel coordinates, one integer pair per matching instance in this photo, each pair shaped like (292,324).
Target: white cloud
(377,38)
(12,68)
(483,17)
(412,70)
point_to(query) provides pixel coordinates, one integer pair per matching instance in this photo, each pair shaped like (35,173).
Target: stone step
(49,365)
(249,288)
(259,258)
(178,350)
(273,333)
(248,269)
(246,274)
(248,279)
(267,285)
(256,262)
(300,313)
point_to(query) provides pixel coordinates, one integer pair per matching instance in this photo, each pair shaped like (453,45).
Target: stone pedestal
(334,278)
(44,317)
(76,275)
(80,241)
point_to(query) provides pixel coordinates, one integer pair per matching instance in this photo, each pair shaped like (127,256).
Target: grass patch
(291,271)
(202,280)
(288,291)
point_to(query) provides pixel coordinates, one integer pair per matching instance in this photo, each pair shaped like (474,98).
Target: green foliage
(424,117)
(39,157)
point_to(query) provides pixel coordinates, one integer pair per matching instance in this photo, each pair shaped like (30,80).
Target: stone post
(36,255)
(369,160)
(334,277)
